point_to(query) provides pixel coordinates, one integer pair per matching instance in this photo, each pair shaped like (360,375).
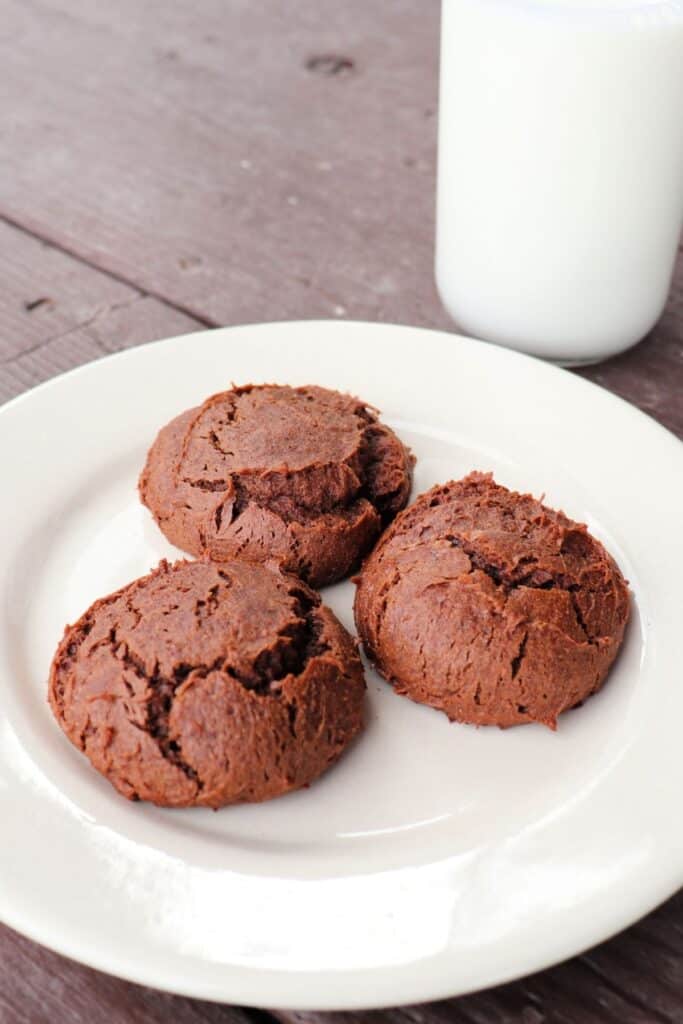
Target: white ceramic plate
(435,858)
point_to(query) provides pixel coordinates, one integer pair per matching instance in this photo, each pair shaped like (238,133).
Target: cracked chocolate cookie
(490,606)
(305,475)
(205,684)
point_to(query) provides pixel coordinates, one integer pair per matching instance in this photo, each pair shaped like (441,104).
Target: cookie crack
(579,614)
(369,456)
(206,485)
(205,607)
(236,498)
(284,506)
(295,646)
(158,713)
(372,461)
(516,662)
(159,705)
(215,443)
(535,579)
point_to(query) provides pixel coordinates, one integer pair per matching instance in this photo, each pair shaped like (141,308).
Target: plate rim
(408,992)
(454,336)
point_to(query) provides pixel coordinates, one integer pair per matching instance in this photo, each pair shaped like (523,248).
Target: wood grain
(56,312)
(226,164)
(201,158)
(165,167)
(48,989)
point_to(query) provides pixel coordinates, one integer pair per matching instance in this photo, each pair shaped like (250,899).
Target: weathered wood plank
(216,162)
(114,328)
(39,987)
(199,156)
(645,963)
(56,312)
(45,294)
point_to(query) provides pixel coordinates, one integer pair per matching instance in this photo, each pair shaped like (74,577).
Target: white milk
(560,198)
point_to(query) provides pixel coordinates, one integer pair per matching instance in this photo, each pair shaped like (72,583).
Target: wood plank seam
(48,239)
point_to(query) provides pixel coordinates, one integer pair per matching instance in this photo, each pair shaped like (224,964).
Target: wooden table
(173,166)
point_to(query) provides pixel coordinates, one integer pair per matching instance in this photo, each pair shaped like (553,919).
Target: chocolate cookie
(305,475)
(204,684)
(491,607)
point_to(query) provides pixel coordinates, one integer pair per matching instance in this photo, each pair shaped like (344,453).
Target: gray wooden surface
(168,166)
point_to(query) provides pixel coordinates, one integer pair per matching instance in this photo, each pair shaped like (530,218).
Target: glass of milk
(560,192)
